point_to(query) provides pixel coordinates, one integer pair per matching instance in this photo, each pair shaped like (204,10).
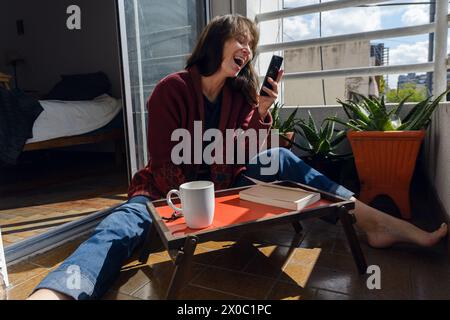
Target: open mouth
(239,61)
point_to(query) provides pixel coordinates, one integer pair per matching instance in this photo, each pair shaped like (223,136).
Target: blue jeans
(93,267)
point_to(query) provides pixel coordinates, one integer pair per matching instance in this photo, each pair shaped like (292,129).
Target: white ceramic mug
(197,203)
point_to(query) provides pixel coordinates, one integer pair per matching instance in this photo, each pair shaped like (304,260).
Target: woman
(219,88)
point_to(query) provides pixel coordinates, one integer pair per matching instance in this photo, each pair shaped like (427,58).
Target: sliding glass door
(156,39)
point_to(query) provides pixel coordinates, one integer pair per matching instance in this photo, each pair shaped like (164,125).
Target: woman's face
(237,53)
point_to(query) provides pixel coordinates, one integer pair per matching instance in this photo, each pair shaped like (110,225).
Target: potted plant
(385,146)
(285,128)
(321,143)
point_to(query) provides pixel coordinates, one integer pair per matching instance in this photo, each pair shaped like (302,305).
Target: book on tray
(279,196)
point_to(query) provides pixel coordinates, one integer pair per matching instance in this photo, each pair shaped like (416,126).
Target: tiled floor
(58,195)
(242,267)
(260,266)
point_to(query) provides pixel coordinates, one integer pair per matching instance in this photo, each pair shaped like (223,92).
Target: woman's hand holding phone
(265,102)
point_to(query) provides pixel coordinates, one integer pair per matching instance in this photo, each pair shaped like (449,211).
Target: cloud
(351,21)
(417,14)
(298,3)
(407,54)
(298,28)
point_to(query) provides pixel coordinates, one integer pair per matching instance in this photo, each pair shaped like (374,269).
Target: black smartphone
(272,72)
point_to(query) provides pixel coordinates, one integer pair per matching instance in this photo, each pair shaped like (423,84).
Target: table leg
(182,262)
(347,220)
(297,226)
(152,242)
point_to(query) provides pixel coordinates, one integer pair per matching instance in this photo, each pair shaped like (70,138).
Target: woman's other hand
(265,102)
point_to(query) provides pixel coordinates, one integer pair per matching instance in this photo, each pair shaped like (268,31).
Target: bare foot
(383,238)
(436,236)
(379,239)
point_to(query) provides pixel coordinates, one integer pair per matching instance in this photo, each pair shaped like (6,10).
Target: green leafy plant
(371,114)
(320,143)
(410,90)
(287,125)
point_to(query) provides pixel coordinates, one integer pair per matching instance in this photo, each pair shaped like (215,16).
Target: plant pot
(385,162)
(282,142)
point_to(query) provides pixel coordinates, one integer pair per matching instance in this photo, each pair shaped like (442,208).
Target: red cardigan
(176,102)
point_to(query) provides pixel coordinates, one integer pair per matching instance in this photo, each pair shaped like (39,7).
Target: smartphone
(272,72)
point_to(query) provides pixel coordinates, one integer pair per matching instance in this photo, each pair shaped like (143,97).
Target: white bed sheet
(70,118)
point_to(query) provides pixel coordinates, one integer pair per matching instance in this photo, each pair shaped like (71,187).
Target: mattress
(71,118)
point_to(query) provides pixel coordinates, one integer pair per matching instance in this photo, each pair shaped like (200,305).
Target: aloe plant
(287,125)
(371,114)
(320,143)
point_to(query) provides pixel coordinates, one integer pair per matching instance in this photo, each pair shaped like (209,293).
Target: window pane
(160,34)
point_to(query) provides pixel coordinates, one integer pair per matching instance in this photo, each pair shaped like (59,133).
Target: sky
(405,50)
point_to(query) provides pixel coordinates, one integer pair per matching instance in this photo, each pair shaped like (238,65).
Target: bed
(76,111)
(71,123)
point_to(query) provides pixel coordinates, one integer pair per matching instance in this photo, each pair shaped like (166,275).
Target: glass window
(158,36)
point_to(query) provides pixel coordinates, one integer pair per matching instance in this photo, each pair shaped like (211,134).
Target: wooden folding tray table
(233,214)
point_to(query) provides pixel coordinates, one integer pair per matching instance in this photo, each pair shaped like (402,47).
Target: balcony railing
(440,29)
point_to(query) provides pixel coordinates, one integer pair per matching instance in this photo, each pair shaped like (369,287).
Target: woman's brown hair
(207,54)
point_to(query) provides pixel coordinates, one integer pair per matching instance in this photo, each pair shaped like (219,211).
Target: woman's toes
(437,235)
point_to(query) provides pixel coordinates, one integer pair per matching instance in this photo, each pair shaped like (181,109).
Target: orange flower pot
(385,161)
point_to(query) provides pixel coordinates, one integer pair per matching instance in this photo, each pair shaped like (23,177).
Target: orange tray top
(230,210)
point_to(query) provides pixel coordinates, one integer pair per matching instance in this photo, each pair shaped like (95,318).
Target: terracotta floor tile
(286,291)
(347,282)
(12,238)
(57,255)
(58,196)
(430,282)
(114,295)
(300,266)
(237,257)
(6,243)
(205,255)
(156,257)
(324,241)
(269,261)
(4,217)
(198,293)
(342,247)
(159,279)
(297,274)
(23,290)
(329,295)
(132,279)
(222,242)
(237,283)
(23,271)
(25,221)
(337,261)
(134,275)
(307,257)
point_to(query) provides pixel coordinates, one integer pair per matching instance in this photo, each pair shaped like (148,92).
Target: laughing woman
(218,87)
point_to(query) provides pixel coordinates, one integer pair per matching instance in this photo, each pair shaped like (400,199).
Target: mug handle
(169,200)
